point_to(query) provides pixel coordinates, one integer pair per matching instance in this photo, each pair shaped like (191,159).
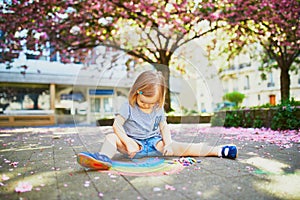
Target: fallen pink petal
(283,139)
(5,177)
(6,161)
(23,187)
(170,187)
(199,193)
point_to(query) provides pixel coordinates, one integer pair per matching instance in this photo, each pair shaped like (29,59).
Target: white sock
(225,151)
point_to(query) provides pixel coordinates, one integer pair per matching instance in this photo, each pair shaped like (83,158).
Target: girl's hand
(132,148)
(168,151)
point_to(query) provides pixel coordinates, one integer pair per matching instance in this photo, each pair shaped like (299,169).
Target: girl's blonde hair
(148,84)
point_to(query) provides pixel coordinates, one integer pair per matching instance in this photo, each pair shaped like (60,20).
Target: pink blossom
(14,164)
(186,19)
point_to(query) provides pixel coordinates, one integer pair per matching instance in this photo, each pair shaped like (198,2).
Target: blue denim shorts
(148,147)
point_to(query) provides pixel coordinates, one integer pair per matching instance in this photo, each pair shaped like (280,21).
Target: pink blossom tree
(150,30)
(274,24)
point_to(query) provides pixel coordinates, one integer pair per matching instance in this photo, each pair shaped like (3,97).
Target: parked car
(73,96)
(73,103)
(226,105)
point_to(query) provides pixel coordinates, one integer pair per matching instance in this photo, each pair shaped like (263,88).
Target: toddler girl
(140,129)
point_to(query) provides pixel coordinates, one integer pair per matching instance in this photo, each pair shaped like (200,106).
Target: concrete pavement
(43,160)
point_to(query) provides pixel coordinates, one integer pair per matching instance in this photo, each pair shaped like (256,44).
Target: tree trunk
(285,83)
(34,98)
(166,73)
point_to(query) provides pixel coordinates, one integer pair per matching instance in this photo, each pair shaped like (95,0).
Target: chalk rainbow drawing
(144,167)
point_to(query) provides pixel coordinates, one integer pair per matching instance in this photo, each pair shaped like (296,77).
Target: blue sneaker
(229,151)
(94,160)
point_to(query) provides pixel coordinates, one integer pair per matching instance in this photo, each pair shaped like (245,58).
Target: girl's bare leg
(191,149)
(111,145)
(194,149)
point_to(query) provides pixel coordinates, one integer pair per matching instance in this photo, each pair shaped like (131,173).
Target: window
(247,83)
(101,102)
(54,56)
(107,104)
(271,80)
(235,85)
(30,97)
(95,105)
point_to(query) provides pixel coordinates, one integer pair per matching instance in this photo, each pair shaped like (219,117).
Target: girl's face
(147,103)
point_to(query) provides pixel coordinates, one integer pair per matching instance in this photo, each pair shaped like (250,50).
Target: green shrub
(257,123)
(217,120)
(235,97)
(233,119)
(247,120)
(285,118)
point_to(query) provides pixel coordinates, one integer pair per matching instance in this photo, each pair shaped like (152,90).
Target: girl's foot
(94,160)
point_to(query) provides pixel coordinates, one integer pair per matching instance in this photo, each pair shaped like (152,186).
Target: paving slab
(44,159)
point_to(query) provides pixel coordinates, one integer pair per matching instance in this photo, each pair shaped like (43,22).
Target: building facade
(246,78)
(75,92)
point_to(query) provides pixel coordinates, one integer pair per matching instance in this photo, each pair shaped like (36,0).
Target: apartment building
(245,78)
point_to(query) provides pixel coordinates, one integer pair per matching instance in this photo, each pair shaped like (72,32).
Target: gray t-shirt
(140,125)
